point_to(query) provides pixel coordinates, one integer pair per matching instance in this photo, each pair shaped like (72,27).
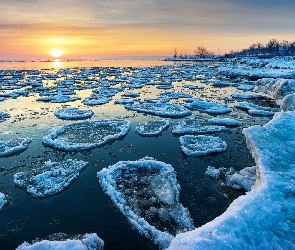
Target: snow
(254,109)
(160,109)
(201,145)
(14,146)
(2,200)
(51,178)
(224,121)
(73,114)
(193,126)
(288,103)
(264,217)
(153,128)
(147,193)
(209,107)
(86,135)
(88,242)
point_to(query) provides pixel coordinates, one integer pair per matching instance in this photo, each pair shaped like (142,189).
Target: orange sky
(31,29)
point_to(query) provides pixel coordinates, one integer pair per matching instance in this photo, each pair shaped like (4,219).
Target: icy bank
(264,217)
(49,179)
(147,193)
(14,146)
(86,135)
(88,242)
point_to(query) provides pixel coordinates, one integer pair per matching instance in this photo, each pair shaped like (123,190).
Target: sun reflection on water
(57,63)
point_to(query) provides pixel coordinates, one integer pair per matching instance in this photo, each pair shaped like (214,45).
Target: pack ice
(147,193)
(152,128)
(14,146)
(49,179)
(264,217)
(86,135)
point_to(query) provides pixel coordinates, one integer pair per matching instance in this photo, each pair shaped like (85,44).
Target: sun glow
(56,53)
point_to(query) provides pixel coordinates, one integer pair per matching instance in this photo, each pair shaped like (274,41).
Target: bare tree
(201,52)
(175,53)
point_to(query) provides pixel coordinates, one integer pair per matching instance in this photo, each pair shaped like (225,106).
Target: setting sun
(56,53)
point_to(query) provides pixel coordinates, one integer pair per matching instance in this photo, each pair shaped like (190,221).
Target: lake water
(83,207)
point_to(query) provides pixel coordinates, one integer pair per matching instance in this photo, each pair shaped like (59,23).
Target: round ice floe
(14,146)
(160,109)
(96,100)
(224,121)
(209,107)
(3,116)
(153,128)
(49,179)
(147,193)
(124,101)
(86,135)
(87,242)
(2,200)
(73,114)
(200,145)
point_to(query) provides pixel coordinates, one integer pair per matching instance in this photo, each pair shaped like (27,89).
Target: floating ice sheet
(160,109)
(73,114)
(152,128)
(209,107)
(224,121)
(246,96)
(200,145)
(124,101)
(50,179)
(174,95)
(3,116)
(14,146)
(87,242)
(254,109)
(147,193)
(95,99)
(2,201)
(86,135)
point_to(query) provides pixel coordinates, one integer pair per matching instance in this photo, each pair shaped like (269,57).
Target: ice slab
(209,107)
(50,179)
(224,121)
(254,109)
(174,95)
(86,135)
(147,193)
(73,114)
(14,146)
(152,128)
(87,242)
(160,109)
(2,200)
(201,145)
(95,99)
(288,103)
(268,208)
(246,95)
(124,101)
(3,116)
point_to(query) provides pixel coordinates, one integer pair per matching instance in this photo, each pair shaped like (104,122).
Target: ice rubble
(87,242)
(193,126)
(224,121)
(73,113)
(152,128)
(14,146)
(147,193)
(264,217)
(160,109)
(3,116)
(209,107)
(254,109)
(86,135)
(2,200)
(49,179)
(201,145)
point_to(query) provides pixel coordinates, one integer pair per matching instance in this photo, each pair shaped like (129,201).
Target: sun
(56,53)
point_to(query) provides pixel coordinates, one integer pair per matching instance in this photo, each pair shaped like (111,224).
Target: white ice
(73,113)
(152,128)
(224,121)
(2,200)
(209,107)
(49,179)
(14,146)
(246,95)
(288,103)
(254,109)
(3,116)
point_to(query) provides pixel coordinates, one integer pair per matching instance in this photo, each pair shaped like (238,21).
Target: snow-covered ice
(124,101)
(174,95)
(288,103)
(209,107)
(86,135)
(49,179)
(152,128)
(2,200)
(87,242)
(160,109)
(73,113)
(264,217)
(201,145)
(14,146)
(246,95)
(147,193)
(224,121)
(254,109)
(3,116)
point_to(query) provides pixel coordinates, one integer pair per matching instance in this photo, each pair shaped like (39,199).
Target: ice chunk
(87,242)
(86,135)
(152,128)
(160,109)
(245,87)
(3,116)
(2,200)
(95,99)
(147,193)
(131,94)
(200,145)
(254,109)
(246,96)
(288,103)
(124,101)
(224,121)
(73,114)
(209,107)
(174,95)
(49,179)
(14,146)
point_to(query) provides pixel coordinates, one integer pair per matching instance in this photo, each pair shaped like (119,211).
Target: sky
(95,29)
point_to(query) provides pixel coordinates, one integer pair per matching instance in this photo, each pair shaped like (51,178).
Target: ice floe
(193,126)
(174,95)
(86,135)
(3,116)
(288,103)
(147,193)
(224,121)
(86,242)
(201,145)
(124,101)
(73,114)
(49,179)
(254,109)
(95,99)
(268,208)
(152,128)
(209,107)
(160,109)
(246,96)
(2,200)
(14,146)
